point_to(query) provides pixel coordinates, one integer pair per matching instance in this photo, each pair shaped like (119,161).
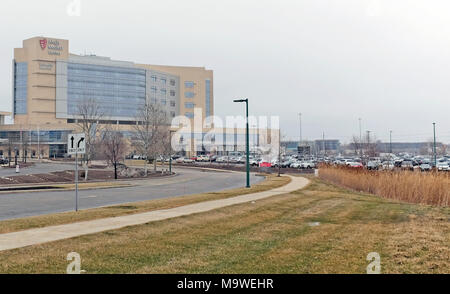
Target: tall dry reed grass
(416,187)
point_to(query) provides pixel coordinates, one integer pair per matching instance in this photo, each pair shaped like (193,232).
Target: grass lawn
(270,236)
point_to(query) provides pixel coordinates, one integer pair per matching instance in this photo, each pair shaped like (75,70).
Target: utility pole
(247,145)
(390,142)
(368,144)
(434,145)
(323,144)
(300,119)
(300,129)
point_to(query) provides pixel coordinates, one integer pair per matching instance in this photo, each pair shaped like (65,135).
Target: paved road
(188,181)
(37,168)
(53,233)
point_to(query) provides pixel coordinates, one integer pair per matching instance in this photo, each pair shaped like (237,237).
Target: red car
(355,165)
(265,164)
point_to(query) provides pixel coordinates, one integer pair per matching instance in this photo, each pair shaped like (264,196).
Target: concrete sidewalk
(53,233)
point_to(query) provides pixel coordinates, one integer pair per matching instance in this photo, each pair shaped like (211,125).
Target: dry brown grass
(7,226)
(415,187)
(271,235)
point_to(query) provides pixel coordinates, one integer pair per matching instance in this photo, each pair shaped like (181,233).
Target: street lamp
(247,147)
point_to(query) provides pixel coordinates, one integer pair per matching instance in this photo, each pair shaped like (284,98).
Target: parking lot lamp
(434,145)
(247,144)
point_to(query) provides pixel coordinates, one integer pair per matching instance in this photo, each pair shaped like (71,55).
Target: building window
(172,93)
(189,114)
(189,84)
(189,105)
(163,92)
(189,94)
(20,87)
(172,113)
(172,82)
(172,103)
(163,81)
(119,91)
(154,78)
(163,101)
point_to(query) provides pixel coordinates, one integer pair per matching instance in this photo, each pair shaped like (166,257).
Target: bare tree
(114,146)
(151,129)
(166,144)
(89,115)
(356,144)
(10,147)
(443,149)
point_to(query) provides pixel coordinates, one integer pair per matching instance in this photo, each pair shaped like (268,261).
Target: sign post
(76,144)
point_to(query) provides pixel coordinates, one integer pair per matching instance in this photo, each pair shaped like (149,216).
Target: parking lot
(295,163)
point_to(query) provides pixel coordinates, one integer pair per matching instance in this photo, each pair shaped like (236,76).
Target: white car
(188,160)
(443,166)
(296,164)
(203,158)
(308,164)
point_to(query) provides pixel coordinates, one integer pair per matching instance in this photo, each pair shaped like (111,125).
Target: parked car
(223,159)
(265,164)
(388,165)
(179,160)
(425,167)
(295,164)
(355,165)
(443,166)
(407,164)
(308,164)
(188,160)
(372,165)
(255,161)
(202,158)
(4,161)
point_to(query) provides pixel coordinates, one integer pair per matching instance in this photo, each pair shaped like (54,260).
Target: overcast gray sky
(386,61)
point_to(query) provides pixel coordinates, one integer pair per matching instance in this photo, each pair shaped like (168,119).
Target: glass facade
(119,91)
(35,136)
(20,87)
(208,98)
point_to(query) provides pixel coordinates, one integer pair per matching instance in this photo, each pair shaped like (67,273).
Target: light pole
(360,139)
(434,145)
(300,129)
(390,142)
(247,147)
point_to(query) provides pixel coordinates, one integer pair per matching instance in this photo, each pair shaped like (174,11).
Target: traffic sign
(76,144)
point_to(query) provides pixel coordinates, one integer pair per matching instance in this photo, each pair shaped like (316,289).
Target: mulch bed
(67,177)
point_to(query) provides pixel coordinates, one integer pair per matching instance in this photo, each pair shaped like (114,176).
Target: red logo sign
(43,43)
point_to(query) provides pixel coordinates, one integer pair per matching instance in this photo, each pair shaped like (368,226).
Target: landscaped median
(60,187)
(319,229)
(7,226)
